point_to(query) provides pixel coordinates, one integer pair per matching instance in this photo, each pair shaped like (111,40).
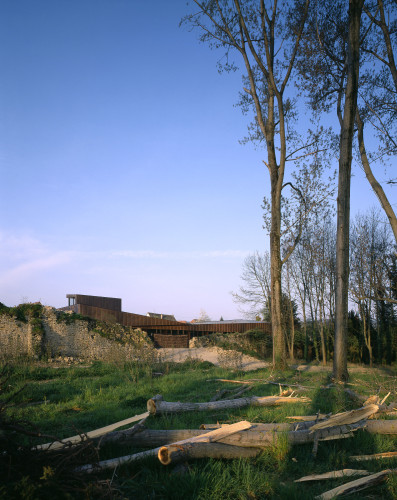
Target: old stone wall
(15,337)
(60,339)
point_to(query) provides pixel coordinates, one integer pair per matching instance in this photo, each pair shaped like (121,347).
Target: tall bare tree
(266,39)
(378,89)
(330,68)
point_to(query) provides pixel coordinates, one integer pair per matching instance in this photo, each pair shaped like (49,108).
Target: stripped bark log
(333,475)
(158,406)
(357,485)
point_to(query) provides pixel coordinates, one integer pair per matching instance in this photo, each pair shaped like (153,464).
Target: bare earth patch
(211,354)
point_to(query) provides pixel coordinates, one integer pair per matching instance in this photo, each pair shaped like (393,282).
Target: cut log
(375,456)
(382,426)
(357,485)
(156,406)
(175,453)
(115,462)
(89,435)
(333,475)
(180,447)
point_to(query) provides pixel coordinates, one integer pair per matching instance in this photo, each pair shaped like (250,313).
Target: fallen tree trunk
(158,406)
(259,435)
(147,437)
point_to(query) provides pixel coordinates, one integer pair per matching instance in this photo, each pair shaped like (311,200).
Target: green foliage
(23,312)
(70,318)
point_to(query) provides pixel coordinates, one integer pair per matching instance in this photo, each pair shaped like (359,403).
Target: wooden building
(164,332)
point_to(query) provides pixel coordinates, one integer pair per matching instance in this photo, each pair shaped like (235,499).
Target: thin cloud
(194,254)
(25,270)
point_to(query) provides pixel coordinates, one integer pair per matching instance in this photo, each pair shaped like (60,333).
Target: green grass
(82,398)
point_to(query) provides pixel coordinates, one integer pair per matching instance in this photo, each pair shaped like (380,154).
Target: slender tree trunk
(376,187)
(340,372)
(279,351)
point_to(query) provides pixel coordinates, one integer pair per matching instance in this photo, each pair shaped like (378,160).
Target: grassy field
(81,398)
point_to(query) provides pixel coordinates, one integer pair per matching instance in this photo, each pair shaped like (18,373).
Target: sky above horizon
(122,174)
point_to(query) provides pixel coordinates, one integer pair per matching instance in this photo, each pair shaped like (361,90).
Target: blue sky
(121,170)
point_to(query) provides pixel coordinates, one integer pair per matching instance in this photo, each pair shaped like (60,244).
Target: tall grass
(81,398)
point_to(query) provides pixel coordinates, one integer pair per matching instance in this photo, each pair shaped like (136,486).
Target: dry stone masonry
(75,339)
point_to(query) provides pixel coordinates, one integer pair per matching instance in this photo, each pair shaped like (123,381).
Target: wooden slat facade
(103,302)
(160,329)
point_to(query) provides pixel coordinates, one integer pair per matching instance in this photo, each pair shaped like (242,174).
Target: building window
(72,301)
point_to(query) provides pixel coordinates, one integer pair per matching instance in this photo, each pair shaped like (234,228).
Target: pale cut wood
(375,456)
(156,406)
(165,452)
(308,418)
(91,434)
(357,485)
(333,475)
(347,417)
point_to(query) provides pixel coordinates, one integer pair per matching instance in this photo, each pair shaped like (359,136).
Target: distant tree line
(309,278)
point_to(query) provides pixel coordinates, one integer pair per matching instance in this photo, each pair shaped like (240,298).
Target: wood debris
(357,485)
(333,475)
(375,456)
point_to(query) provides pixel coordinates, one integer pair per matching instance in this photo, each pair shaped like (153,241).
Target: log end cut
(151,404)
(164,455)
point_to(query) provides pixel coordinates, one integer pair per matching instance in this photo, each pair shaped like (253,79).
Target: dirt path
(215,355)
